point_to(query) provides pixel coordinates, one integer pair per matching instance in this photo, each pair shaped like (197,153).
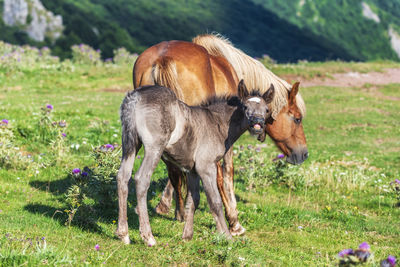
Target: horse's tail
(165,74)
(130,138)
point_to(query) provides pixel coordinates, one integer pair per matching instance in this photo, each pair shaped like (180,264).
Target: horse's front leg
(228,193)
(208,174)
(142,182)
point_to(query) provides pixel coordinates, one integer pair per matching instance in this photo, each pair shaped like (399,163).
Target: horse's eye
(267,110)
(297,120)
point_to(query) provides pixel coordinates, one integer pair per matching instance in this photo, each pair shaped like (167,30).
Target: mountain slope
(286,30)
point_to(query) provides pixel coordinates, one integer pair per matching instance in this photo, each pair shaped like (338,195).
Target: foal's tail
(165,74)
(130,138)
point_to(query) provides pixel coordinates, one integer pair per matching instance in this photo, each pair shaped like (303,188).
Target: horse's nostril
(305,155)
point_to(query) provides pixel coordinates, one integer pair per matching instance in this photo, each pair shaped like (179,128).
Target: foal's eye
(297,120)
(267,110)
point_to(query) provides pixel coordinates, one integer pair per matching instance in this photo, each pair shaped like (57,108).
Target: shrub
(94,188)
(123,57)
(84,54)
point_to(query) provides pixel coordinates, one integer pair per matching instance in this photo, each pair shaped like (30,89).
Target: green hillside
(286,30)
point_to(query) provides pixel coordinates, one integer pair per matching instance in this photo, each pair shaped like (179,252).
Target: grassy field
(294,215)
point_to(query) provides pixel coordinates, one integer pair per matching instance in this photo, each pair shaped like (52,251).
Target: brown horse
(211,65)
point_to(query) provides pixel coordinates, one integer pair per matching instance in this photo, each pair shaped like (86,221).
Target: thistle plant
(86,55)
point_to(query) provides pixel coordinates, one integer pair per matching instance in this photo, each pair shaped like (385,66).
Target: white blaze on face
(255,99)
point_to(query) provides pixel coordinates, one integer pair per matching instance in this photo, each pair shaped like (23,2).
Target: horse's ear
(293,92)
(242,90)
(269,94)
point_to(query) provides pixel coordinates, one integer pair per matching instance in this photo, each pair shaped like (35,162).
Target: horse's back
(182,66)
(224,76)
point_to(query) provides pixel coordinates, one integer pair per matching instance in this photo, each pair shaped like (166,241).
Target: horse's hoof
(125,240)
(179,217)
(237,230)
(162,209)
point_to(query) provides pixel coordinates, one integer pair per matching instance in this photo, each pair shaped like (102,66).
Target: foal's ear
(242,90)
(293,92)
(269,94)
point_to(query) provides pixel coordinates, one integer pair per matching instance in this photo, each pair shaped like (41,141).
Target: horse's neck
(232,122)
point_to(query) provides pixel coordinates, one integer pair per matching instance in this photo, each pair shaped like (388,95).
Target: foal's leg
(123,177)
(142,182)
(192,202)
(208,174)
(231,211)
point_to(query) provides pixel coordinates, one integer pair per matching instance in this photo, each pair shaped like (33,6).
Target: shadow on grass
(89,216)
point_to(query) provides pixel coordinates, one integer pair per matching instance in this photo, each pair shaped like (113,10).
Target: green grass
(294,215)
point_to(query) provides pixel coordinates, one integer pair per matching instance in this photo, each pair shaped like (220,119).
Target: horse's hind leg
(142,182)
(231,211)
(175,182)
(164,205)
(123,177)
(208,174)
(192,202)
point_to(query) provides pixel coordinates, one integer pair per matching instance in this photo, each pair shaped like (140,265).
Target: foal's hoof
(125,240)
(162,209)
(237,230)
(150,242)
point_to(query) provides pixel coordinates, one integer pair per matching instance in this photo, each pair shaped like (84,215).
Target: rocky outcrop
(368,13)
(394,40)
(33,18)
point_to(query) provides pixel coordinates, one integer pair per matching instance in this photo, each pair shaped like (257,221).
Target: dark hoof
(179,216)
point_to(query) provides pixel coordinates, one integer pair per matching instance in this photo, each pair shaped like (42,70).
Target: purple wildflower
(62,123)
(364,246)
(97,247)
(76,171)
(108,59)
(109,146)
(258,149)
(64,134)
(43,238)
(392,260)
(345,252)
(49,106)
(5,121)
(98,50)
(84,174)
(397,181)
(280,156)
(138,157)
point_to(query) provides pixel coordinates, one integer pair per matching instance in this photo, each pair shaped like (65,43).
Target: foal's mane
(252,71)
(231,100)
(220,99)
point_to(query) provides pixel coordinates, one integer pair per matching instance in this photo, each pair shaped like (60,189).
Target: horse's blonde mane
(252,71)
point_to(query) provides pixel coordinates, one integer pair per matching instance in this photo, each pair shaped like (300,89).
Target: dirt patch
(355,79)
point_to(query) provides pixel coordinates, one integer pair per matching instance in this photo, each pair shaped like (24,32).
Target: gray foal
(192,138)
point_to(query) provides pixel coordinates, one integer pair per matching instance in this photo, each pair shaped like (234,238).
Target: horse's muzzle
(298,156)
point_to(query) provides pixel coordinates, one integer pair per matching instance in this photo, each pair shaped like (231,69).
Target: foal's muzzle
(256,124)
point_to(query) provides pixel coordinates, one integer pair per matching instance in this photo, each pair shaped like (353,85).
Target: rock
(33,18)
